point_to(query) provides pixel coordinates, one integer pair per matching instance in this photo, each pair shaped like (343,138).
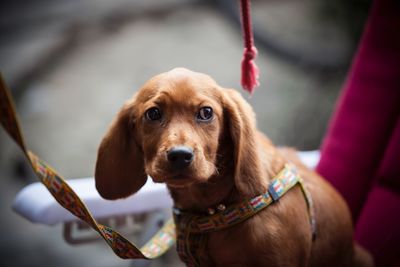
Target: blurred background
(71,65)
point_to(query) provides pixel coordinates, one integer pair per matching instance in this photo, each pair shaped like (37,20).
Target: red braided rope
(249,68)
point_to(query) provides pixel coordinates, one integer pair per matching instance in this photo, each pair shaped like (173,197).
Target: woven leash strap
(68,199)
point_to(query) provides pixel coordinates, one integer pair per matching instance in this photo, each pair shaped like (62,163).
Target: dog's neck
(200,197)
(219,188)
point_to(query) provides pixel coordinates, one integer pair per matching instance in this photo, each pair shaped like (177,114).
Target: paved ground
(72,64)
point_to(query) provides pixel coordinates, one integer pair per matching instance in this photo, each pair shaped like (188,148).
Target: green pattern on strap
(68,199)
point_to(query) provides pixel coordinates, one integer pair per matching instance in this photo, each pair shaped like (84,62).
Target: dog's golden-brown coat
(231,161)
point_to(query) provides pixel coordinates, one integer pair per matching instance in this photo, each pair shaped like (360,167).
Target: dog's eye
(205,114)
(153,114)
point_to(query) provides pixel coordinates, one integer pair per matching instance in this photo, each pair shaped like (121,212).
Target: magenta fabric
(360,155)
(389,171)
(377,228)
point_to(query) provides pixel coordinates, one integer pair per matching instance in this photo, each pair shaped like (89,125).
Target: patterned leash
(68,199)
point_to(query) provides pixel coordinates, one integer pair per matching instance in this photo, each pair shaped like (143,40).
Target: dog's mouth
(179,180)
(175,180)
(162,172)
(179,185)
(179,177)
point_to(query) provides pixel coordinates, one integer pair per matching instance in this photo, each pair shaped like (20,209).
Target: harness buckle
(274,195)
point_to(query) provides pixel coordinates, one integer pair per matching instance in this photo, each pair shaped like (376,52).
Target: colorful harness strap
(192,228)
(68,199)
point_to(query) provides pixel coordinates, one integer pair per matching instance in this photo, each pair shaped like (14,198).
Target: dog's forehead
(182,74)
(179,85)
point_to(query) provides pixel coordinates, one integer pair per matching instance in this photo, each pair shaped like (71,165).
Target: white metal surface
(37,205)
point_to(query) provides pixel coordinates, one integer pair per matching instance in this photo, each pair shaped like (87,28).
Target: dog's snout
(180,157)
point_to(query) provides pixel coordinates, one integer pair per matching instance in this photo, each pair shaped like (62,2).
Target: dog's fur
(232,161)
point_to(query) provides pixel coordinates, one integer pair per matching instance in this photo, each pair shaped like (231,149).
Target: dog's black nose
(180,157)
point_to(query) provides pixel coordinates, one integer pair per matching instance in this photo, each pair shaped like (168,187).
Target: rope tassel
(250,70)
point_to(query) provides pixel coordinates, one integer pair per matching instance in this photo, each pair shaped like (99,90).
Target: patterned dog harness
(192,229)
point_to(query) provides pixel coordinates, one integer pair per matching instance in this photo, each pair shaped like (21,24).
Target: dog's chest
(227,249)
(231,247)
(209,250)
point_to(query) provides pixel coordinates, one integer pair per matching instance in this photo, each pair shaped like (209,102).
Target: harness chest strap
(192,228)
(234,214)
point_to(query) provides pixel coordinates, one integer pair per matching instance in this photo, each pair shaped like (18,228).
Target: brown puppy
(184,130)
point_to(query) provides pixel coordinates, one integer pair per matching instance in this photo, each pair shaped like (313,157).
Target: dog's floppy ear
(242,128)
(119,167)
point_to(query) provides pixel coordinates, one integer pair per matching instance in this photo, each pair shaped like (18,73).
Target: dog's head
(173,130)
